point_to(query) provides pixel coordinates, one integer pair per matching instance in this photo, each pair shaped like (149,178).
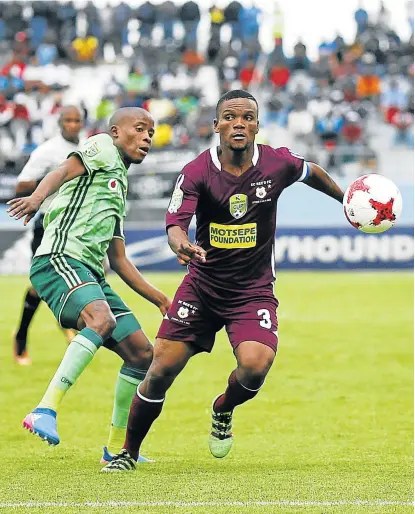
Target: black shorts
(38,232)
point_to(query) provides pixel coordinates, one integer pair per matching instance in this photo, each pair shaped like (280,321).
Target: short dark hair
(230,95)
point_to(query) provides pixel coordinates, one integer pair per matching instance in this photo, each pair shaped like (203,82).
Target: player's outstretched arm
(183,248)
(321,180)
(29,205)
(125,269)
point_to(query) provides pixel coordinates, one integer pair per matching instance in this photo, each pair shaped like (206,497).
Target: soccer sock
(30,305)
(235,394)
(127,382)
(143,412)
(77,357)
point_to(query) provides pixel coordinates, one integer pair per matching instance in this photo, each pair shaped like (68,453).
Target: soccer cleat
(42,422)
(120,462)
(221,437)
(23,359)
(107,456)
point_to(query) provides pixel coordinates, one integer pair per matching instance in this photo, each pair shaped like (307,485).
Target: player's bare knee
(103,323)
(254,366)
(140,359)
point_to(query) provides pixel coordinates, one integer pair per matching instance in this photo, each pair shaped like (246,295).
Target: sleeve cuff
(305,173)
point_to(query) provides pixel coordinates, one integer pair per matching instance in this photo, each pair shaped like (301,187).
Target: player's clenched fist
(188,251)
(27,206)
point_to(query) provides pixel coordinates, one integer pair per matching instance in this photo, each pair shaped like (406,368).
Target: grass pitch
(331,431)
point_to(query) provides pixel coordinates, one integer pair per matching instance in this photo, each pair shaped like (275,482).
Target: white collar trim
(216,161)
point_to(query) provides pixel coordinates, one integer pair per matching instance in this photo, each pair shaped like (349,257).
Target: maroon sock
(235,394)
(142,415)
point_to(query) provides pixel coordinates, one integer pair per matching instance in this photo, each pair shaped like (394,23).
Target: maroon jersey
(235,218)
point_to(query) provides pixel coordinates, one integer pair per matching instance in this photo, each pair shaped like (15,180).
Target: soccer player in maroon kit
(233,190)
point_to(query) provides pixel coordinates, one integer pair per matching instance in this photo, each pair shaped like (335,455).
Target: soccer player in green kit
(82,225)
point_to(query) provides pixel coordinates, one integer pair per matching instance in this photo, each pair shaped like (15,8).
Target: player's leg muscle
(254,361)
(135,350)
(97,316)
(170,357)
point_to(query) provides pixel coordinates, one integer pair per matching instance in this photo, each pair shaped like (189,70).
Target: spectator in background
(147,15)
(200,123)
(361,17)
(249,20)
(217,19)
(167,16)
(121,17)
(94,23)
(19,125)
(279,76)
(320,106)
(299,61)
(47,50)
(231,14)
(85,49)
(384,17)
(278,24)
(138,82)
(352,130)
(300,121)
(368,84)
(403,121)
(7,146)
(393,99)
(329,127)
(249,74)
(189,14)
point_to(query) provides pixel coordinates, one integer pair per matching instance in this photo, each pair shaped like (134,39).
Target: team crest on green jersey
(238,205)
(91,150)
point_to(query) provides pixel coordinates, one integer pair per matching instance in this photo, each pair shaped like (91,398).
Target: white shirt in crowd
(46,157)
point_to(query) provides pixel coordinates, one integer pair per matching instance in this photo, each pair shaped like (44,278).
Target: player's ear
(215,125)
(114,131)
(257,127)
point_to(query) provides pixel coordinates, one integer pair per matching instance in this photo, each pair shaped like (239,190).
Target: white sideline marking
(272,503)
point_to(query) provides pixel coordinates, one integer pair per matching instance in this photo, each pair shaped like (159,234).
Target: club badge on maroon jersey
(261,192)
(238,205)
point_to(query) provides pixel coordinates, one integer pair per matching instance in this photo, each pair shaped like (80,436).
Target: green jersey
(88,210)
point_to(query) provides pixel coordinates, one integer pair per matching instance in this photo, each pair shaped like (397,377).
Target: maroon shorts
(194,317)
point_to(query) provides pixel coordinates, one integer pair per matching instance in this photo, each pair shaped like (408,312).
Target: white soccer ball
(372,203)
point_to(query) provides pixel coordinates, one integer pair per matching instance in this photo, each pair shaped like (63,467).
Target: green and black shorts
(68,286)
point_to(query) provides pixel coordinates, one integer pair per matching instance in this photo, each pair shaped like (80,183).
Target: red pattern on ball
(358,185)
(384,211)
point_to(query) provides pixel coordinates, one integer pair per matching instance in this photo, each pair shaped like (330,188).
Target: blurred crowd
(178,76)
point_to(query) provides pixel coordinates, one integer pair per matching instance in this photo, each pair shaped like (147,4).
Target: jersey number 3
(266,318)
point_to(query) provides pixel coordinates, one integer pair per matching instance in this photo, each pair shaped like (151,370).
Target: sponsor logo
(261,192)
(112,184)
(64,380)
(233,236)
(183,312)
(92,149)
(238,205)
(176,201)
(177,196)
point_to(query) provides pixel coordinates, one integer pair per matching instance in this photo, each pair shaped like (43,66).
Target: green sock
(125,388)
(77,357)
